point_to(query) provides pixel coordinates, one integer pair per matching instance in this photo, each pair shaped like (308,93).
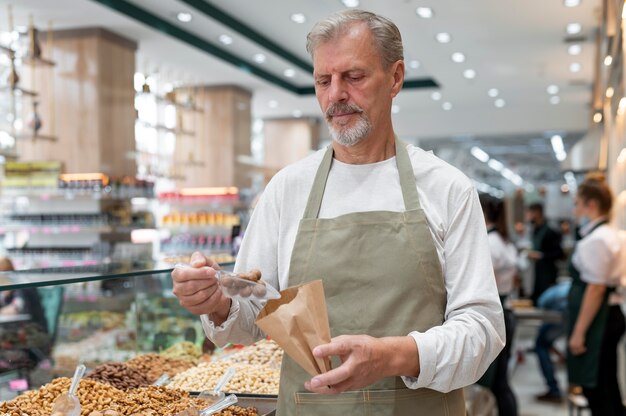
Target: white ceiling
(515,46)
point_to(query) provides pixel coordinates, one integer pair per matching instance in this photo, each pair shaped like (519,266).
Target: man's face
(352,87)
(532,216)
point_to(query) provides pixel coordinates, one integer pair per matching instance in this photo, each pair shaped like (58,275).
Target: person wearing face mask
(546,250)
(596,321)
(396,234)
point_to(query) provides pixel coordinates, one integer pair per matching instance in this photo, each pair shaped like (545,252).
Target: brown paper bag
(298,322)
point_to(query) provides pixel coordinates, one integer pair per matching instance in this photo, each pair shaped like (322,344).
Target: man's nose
(338,92)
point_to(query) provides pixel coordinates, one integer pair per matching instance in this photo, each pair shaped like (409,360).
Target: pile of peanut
(251,379)
(265,352)
(119,375)
(154,365)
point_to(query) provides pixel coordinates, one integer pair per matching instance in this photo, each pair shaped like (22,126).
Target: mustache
(342,108)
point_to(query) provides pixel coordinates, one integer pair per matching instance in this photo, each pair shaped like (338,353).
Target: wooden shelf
(29,60)
(195,163)
(181,106)
(36,137)
(166,129)
(19,91)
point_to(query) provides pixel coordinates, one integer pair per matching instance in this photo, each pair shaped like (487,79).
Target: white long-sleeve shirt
(452,355)
(597,254)
(504,259)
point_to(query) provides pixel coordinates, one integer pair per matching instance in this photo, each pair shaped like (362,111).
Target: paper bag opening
(298,322)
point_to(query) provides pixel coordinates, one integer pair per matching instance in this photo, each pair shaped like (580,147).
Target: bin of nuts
(264,352)
(246,286)
(119,375)
(154,366)
(248,379)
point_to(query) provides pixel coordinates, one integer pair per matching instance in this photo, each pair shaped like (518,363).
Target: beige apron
(382,277)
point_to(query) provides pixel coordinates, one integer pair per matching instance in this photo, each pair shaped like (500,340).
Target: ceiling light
(458,57)
(469,74)
(479,154)
(597,117)
(184,17)
(443,37)
(298,18)
(499,103)
(414,64)
(608,60)
(447,106)
(272,104)
(622,105)
(289,73)
(424,12)
(575,49)
(573,28)
(575,67)
(609,92)
(552,89)
(436,96)
(495,165)
(558,148)
(555,99)
(350,3)
(297,113)
(571,3)
(493,92)
(259,58)
(395,109)
(622,156)
(225,39)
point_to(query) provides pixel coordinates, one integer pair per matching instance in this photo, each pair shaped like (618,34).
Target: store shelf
(39,62)
(36,137)
(163,100)
(19,91)
(195,163)
(165,128)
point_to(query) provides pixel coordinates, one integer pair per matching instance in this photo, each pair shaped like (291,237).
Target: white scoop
(68,404)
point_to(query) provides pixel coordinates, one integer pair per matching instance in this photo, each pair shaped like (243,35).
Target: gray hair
(386,34)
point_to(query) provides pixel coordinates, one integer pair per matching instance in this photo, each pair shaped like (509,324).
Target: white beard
(349,136)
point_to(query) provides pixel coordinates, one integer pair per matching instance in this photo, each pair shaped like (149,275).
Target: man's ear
(397,70)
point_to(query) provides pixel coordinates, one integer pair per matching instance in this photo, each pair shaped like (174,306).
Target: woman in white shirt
(596,323)
(504,259)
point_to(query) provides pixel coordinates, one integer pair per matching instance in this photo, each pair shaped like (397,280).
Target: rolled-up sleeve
(458,352)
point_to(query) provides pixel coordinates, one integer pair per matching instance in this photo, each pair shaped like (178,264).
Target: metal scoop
(68,404)
(229,400)
(162,381)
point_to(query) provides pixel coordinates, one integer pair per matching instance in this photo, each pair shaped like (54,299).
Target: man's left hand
(365,360)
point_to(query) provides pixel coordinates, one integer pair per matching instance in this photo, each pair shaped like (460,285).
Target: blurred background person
(554,299)
(21,301)
(504,258)
(546,250)
(596,321)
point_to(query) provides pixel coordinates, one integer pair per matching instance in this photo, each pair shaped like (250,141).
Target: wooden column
(222,133)
(288,140)
(92,89)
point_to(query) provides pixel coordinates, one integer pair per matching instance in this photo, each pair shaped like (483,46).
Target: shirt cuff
(428,362)
(209,326)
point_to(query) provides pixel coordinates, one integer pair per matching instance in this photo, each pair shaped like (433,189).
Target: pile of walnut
(154,365)
(99,399)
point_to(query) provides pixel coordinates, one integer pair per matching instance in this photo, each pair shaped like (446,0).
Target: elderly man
(397,236)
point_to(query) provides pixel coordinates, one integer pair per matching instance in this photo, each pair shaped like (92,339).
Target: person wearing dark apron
(395,234)
(596,321)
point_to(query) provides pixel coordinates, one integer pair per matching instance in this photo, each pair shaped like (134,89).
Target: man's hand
(577,344)
(365,360)
(197,289)
(535,255)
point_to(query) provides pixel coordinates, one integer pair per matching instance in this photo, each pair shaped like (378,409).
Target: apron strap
(405,170)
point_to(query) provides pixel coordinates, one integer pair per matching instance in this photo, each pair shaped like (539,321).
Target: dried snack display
(119,375)
(265,352)
(184,350)
(154,365)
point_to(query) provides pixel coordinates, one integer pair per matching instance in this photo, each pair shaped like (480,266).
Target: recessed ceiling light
(350,3)
(272,104)
(608,60)
(225,39)
(499,103)
(597,117)
(555,99)
(184,17)
(414,64)
(573,28)
(395,109)
(443,37)
(575,67)
(575,49)
(297,113)
(424,12)
(469,74)
(436,96)
(552,89)
(571,3)
(289,73)
(610,92)
(298,18)
(447,106)
(493,92)
(259,58)
(458,57)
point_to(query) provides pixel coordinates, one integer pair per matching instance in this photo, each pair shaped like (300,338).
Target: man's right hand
(197,289)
